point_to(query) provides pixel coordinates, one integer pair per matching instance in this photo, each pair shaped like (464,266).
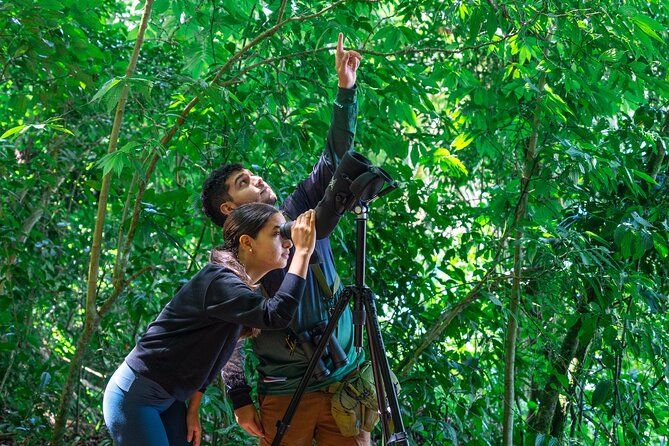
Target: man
(282,361)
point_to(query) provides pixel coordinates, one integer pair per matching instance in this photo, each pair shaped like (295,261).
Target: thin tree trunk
(510,346)
(8,370)
(529,167)
(92,319)
(578,374)
(581,371)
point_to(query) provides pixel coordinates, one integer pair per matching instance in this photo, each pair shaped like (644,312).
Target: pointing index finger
(340,43)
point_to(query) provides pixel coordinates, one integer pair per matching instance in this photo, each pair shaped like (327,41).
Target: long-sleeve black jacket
(186,347)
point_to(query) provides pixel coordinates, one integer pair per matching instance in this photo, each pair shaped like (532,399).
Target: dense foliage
(529,139)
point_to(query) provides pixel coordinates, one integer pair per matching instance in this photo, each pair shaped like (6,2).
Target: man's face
(243,188)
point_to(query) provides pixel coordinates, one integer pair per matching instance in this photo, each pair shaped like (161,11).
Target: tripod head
(355,180)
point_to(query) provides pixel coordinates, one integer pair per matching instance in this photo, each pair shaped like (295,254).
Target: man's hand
(247,417)
(193,426)
(347,63)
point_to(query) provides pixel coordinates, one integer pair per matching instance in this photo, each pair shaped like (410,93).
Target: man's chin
(269,199)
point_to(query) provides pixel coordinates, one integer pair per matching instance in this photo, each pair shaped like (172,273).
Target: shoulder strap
(323,283)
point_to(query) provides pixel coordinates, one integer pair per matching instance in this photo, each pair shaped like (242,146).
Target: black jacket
(193,337)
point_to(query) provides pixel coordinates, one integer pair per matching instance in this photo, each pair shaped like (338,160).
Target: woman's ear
(246,243)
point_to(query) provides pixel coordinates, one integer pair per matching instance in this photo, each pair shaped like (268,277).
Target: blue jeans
(139,412)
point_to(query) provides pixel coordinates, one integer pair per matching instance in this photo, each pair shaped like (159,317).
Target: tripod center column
(360,211)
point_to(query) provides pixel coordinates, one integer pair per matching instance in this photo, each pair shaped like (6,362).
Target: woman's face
(270,250)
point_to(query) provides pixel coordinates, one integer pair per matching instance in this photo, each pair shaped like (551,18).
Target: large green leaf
(602,393)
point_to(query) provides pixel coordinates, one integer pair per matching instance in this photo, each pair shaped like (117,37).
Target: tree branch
(282,9)
(118,289)
(410,50)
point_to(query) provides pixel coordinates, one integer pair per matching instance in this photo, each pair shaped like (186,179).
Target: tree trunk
(511,336)
(542,420)
(529,167)
(92,320)
(549,417)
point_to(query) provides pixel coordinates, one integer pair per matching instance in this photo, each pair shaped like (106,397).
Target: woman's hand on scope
(303,233)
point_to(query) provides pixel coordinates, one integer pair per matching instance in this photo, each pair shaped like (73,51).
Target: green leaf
(14,130)
(651,415)
(588,327)
(111,83)
(620,433)
(160,6)
(562,379)
(596,237)
(449,162)
(45,379)
(60,128)
(612,55)
(452,433)
(642,221)
(129,147)
(461,141)
(626,244)
(53,5)
(627,10)
(644,176)
(660,245)
(114,161)
(141,86)
(494,299)
(524,55)
(602,393)
(649,26)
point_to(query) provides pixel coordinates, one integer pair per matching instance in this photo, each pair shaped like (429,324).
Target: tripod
(364,313)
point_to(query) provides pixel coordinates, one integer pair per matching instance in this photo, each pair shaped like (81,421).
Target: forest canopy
(521,267)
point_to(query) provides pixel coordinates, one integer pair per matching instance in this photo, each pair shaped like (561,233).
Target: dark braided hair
(215,192)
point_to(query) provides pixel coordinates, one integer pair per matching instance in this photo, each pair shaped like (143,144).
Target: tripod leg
(380,392)
(283,425)
(381,370)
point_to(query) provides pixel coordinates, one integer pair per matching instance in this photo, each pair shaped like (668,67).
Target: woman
(185,348)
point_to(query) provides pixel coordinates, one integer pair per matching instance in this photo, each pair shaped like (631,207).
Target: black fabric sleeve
(231,300)
(342,128)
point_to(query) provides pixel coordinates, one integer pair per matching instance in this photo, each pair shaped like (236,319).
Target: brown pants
(312,421)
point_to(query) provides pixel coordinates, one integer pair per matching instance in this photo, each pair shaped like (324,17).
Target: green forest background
(521,268)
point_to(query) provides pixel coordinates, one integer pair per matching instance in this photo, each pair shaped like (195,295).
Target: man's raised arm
(342,129)
(339,139)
